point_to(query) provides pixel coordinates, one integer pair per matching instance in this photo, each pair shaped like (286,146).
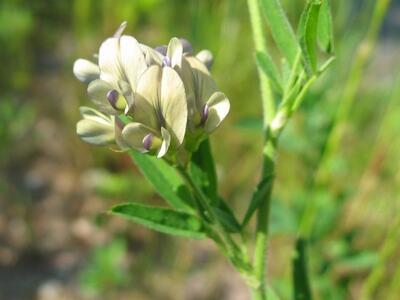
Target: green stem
(263,214)
(234,251)
(260,46)
(268,104)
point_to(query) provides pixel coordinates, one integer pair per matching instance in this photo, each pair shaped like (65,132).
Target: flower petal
(165,144)
(173,103)
(132,59)
(85,70)
(218,108)
(147,98)
(206,57)
(120,29)
(133,135)
(175,52)
(119,126)
(98,90)
(109,61)
(96,133)
(152,56)
(186,74)
(94,115)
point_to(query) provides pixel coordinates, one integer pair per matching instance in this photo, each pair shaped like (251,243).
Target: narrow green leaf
(202,169)
(308,30)
(203,173)
(226,217)
(325,28)
(301,282)
(266,64)
(281,29)
(161,219)
(258,197)
(165,180)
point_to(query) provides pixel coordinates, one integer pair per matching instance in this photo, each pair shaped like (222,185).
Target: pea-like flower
(159,112)
(151,100)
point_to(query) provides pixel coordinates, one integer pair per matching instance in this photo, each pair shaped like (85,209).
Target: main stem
(263,214)
(268,104)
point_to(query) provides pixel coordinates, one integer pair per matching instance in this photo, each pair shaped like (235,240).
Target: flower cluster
(159,101)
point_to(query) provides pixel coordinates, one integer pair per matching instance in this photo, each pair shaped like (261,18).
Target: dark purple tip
(112,97)
(166,61)
(148,141)
(161,49)
(204,114)
(187,46)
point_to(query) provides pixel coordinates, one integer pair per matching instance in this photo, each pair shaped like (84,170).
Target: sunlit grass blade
(308,30)
(266,64)
(281,29)
(302,290)
(161,219)
(325,28)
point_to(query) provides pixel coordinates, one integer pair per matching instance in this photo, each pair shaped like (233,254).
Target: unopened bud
(161,49)
(148,141)
(187,46)
(166,61)
(116,100)
(204,114)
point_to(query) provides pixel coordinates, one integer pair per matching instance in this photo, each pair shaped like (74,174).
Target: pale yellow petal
(97,91)
(173,103)
(133,135)
(95,133)
(166,140)
(218,109)
(109,61)
(85,70)
(175,52)
(147,98)
(132,59)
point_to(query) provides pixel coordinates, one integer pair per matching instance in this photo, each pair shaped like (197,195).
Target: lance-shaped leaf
(165,180)
(266,64)
(259,195)
(281,29)
(202,170)
(308,30)
(325,28)
(161,219)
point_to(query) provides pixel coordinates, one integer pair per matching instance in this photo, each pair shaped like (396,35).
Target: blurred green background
(57,243)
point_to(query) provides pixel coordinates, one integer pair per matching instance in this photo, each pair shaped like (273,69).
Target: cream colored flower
(159,112)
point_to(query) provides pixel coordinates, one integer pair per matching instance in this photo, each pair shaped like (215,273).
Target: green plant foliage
(165,180)
(281,29)
(325,28)
(308,31)
(161,219)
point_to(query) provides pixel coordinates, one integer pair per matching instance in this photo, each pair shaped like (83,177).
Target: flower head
(151,100)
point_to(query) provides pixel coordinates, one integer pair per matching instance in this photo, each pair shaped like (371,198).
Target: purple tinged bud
(161,49)
(187,46)
(204,114)
(166,61)
(148,141)
(112,97)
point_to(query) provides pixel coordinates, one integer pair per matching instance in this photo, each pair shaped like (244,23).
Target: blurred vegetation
(56,242)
